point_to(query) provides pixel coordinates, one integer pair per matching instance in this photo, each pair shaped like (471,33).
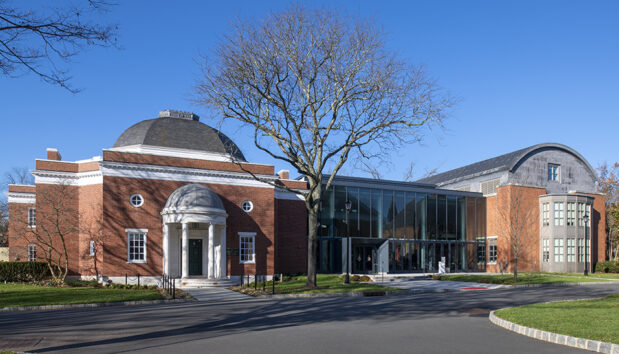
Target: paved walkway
(216,294)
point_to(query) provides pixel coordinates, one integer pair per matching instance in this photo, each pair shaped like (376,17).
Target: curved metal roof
(193,197)
(510,161)
(179,133)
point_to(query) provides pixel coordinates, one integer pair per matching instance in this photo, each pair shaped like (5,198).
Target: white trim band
(68,178)
(21,198)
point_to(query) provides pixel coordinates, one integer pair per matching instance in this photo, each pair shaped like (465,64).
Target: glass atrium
(400,227)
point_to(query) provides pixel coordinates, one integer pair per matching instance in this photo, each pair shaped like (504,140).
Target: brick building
(176,196)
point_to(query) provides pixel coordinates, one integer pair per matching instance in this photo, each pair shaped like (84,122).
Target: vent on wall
(490,186)
(466,188)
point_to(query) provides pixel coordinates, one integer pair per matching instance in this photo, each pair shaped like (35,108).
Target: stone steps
(196,283)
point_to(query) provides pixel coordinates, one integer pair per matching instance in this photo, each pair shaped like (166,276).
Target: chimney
(53,154)
(170,113)
(283,174)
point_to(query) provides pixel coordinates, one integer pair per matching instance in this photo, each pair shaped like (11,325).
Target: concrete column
(166,249)
(211,250)
(185,253)
(223,261)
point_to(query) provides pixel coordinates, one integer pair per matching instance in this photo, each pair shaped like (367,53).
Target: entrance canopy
(194,203)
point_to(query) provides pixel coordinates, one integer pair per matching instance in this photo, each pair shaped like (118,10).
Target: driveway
(424,323)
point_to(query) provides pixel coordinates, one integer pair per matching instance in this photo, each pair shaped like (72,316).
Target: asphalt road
(424,323)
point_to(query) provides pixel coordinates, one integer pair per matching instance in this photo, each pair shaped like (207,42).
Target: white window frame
(141,200)
(492,254)
(481,250)
(558,213)
(247,206)
(32,253)
(554,172)
(91,248)
(136,232)
(558,251)
(32,218)
(546,250)
(571,213)
(571,249)
(581,250)
(247,238)
(546,214)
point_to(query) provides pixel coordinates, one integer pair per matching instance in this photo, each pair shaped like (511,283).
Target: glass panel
(461,219)
(353,197)
(339,220)
(399,215)
(410,216)
(364,212)
(388,214)
(377,214)
(420,222)
(451,218)
(431,217)
(326,214)
(441,216)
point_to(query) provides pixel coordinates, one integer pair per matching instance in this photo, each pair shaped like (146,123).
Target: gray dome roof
(192,197)
(179,133)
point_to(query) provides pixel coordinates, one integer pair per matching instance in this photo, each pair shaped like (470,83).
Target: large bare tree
(608,184)
(39,40)
(318,86)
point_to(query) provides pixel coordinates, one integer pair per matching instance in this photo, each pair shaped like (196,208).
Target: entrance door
(195,257)
(364,259)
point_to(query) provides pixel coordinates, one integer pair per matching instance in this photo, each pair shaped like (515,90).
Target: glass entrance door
(364,259)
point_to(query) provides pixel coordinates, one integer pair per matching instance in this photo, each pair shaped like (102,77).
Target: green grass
(34,295)
(593,275)
(523,278)
(592,319)
(327,283)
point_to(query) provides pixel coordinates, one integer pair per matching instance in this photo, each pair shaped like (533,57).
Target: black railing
(169,285)
(260,281)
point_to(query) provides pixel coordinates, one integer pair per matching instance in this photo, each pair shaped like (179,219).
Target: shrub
(23,271)
(82,283)
(607,267)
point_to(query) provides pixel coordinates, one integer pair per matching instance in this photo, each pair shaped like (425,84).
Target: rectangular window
(554,172)
(571,249)
(581,250)
(588,251)
(492,250)
(247,249)
(32,217)
(481,250)
(136,245)
(571,214)
(546,250)
(558,211)
(581,214)
(91,248)
(546,214)
(32,253)
(558,249)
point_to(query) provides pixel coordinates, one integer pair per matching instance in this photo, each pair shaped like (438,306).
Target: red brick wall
(119,215)
(291,241)
(21,189)
(90,214)
(18,231)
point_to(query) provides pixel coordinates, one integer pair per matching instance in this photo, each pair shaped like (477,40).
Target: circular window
(136,200)
(247,206)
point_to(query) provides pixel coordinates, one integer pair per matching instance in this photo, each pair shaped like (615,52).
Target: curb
(100,304)
(584,283)
(360,293)
(581,343)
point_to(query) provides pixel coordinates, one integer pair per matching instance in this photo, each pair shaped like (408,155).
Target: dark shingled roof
(193,197)
(179,133)
(504,162)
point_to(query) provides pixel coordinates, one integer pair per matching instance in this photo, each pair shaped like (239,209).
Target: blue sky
(527,72)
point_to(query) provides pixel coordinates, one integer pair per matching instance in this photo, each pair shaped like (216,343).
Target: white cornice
(183,174)
(68,178)
(287,195)
(21,198)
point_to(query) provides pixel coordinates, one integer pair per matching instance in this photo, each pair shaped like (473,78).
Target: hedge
(607,267)
(23,271)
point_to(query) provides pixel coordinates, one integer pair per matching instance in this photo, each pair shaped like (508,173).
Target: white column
(223,262)
(185,253)
(166,250)
(211,250)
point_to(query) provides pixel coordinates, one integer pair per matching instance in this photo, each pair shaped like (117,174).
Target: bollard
(125,278)
(273,285)
(264,282)
(138,281)
(173,289)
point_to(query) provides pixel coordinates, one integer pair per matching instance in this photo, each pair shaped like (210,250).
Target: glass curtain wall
(421,229)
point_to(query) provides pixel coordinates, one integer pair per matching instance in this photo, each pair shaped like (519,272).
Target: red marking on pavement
(478,288)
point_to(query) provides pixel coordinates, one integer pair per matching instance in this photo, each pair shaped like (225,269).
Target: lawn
(33,295)
(592,319)
(523,278)
(327,283)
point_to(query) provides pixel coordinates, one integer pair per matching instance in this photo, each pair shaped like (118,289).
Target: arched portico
(194,233)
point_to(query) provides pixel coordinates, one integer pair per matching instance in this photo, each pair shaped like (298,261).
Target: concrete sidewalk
(216,294)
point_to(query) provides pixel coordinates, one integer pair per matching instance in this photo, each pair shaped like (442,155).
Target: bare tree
(18,175)
(516,224)
(4,222)
(608,184)
(56,222)
(38,40)
(93,229)
(317,86)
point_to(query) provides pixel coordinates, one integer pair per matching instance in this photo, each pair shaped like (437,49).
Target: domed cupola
(180,130)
